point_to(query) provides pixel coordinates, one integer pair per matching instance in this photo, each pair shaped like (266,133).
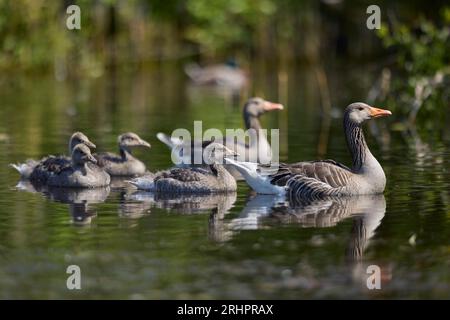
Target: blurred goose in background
(257,150)
(227,75)
(124,164)
(81,173)
(52,163)
(325,177)
(215,178)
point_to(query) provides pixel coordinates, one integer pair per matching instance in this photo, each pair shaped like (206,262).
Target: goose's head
(255,107)
(79,138)
(216,153)
(81,154)
(130,140)
(359,112)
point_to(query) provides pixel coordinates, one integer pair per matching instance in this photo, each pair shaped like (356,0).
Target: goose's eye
(360,108)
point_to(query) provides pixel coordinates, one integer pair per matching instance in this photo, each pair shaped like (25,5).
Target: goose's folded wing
(329,172)
(183,174)
(54,164)
(50,166)
(301,186)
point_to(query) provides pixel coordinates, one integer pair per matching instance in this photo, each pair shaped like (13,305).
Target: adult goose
(196,180)
(81,173)
(257,150)
(227,75)
(124,164)
(326,177)
(51,163)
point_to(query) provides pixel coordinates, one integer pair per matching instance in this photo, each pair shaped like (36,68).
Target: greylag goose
(258,149)
(81,173)
(52,162)
(228,75)
(124,164)
(197,180)
(326,177)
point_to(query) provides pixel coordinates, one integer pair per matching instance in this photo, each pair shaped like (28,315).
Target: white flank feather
(143,183)
(259,182)
(171,142)
(24,169)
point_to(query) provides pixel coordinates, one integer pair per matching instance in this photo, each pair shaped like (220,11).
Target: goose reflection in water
(217,204)
(257,207)
(330,211)
(131,210)
(79,200)
(366,213)
(264,211)
(187,203)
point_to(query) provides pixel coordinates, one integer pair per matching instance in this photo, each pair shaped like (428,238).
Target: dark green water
(134,245)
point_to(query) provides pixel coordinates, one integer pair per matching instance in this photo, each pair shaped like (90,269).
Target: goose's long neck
(257,136)
(220,172)
(80,165)
(356,144)
(217,169)
(251,122)
(71,146)
(125,153)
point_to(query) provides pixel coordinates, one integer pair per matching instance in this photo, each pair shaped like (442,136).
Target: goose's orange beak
(376,112)
(269,106)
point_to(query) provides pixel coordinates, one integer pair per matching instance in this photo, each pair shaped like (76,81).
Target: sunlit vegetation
(420,84)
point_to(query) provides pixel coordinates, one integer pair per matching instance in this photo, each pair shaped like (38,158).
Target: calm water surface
(132,244)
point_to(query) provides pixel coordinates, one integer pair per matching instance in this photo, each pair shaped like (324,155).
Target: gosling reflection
(81,214)
(188,204)
(257,207)
(131,208)
(79,200)
(119,183)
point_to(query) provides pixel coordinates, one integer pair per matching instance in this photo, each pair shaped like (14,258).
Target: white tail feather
(143,183)
(193,71)
(171,142)
(24,169)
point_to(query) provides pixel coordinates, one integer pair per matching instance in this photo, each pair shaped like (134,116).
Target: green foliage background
(131,35)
